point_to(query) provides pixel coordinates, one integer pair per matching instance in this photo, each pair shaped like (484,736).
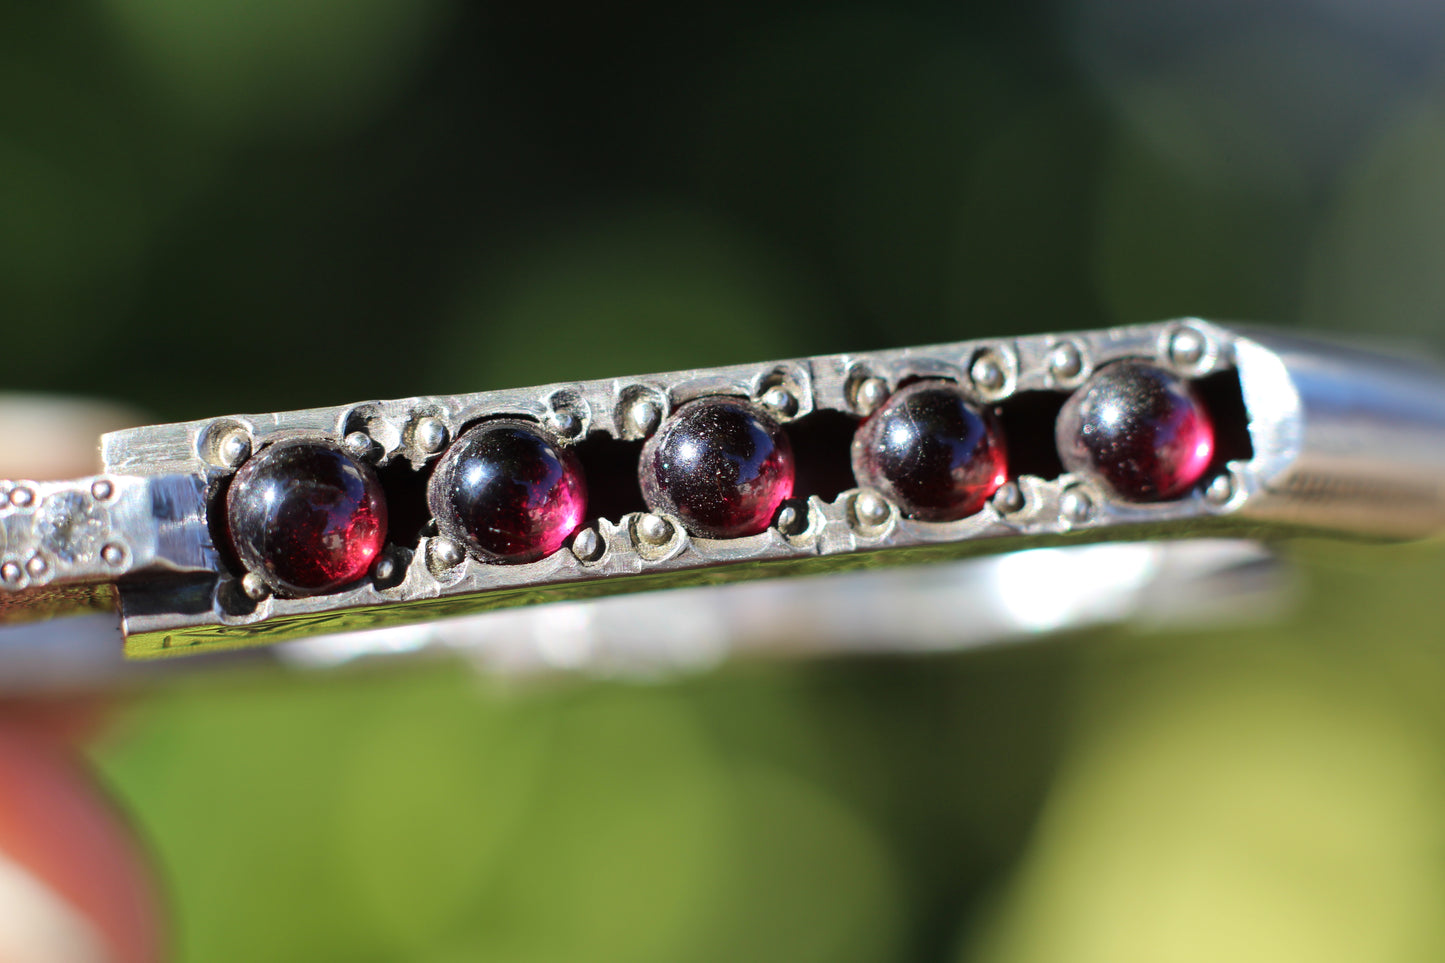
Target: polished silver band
(946,607)
(1335,441)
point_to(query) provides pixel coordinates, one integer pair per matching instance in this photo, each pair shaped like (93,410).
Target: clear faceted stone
(71,527)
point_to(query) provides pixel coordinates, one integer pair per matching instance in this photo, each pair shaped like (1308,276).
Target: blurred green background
(236,205)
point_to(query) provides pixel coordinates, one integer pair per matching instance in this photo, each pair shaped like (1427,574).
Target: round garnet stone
(720,465)
(508,491)
(306,517)
(1138,430)
(931,451)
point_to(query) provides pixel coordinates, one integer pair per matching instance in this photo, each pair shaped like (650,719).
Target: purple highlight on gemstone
(721,465)
(932,452)
(1137,429)
(508,491)
(305,516)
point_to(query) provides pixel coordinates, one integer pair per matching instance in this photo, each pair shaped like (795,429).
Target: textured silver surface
(97,529)
(1343,443)
(948,607)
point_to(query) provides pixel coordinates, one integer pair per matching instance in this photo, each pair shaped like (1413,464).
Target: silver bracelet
(1185,445)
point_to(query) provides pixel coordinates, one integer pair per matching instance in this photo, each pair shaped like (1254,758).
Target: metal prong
(429,434)
(1076,506)
(654,529)
(643,417)
(360,444)
(870,393)
(780,400)
(988,373)
(254,586)
(1189,348)
(564,422)
(444,553)
(1220,489)
(792,520)
(1009,498)
(1066,362)
(870,509)
(233,447)
(588,545)
(386,569)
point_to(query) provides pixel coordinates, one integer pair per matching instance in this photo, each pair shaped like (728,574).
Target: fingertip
(72,721)
(45,437)
(79,885)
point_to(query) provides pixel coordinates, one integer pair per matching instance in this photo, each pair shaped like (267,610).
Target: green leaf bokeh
(214,207)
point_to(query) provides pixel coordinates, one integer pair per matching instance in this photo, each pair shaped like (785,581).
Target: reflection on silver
(938,608)
(1323,440)
(1090,584)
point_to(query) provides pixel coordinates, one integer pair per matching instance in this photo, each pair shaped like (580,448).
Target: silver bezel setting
(1306,472)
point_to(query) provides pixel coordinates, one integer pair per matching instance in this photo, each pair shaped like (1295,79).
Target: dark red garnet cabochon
(1137,429)
(306,517)
(722,465)
(508,491)
(931,451)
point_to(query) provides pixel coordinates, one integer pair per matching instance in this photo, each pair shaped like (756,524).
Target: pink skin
(56,825)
